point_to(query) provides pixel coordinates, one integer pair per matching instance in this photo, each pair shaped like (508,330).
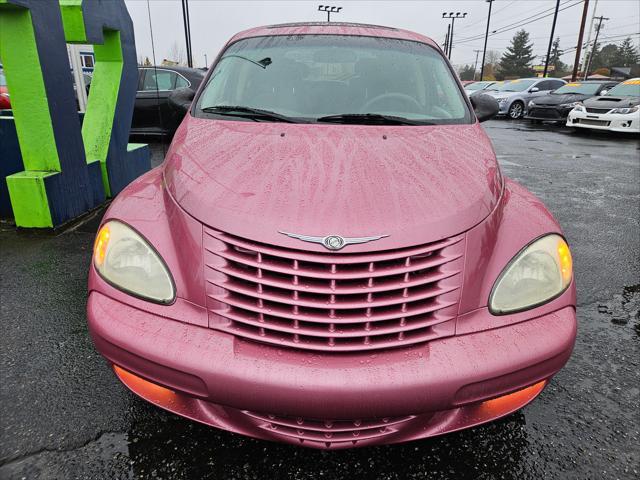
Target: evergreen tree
(516,60)
(628,54)
(467,73)
(554,58)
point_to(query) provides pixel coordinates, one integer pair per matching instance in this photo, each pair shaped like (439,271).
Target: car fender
(519,218)
(146,206)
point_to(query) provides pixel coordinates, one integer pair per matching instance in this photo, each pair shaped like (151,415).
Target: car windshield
(3,80)
(515,85)
(478,86)
(630,88)
(584,88)
(307,77)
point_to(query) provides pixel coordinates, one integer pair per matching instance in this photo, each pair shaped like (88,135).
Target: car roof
(177,68)
(333,28)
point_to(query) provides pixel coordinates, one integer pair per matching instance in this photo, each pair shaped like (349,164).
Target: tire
(516,110)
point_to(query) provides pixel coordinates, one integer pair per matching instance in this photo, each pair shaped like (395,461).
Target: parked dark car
(152,114)
(557,104)
(4,92)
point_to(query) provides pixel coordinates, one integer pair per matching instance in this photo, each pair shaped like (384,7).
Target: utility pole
(576,63)
(486,37)
(475,65)
(187,31)
(453,19)
(446,39)
(329,9)
(595,44)
(206,62)
(586,44)
(553,30)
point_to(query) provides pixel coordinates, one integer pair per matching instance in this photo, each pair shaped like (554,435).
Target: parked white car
(617,111)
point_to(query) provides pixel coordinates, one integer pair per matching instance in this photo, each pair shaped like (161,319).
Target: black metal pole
(486,37)
(446,40)
(187,31)
(453,19)
(553,30)
(576,63)
(190,59)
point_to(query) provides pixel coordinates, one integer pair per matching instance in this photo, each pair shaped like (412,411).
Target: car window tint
(159,79)
(181,82)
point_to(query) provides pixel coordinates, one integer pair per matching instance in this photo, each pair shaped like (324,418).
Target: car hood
(416,184)
(560,99)
(612,102)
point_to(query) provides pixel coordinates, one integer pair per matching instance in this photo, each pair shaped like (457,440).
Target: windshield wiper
(371,119)
(249,112)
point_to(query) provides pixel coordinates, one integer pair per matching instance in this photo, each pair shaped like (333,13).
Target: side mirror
(534,89)
(180,100)
(485,106)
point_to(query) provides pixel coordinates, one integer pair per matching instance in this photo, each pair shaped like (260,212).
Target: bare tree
(177,54)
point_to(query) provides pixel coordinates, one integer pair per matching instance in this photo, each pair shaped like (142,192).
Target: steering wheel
(395,96)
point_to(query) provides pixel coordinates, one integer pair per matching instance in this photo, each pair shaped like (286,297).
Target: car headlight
(569,105)
(128,262)
(624,111)
(532,104)
(537,274)
(579,107)
(502,101)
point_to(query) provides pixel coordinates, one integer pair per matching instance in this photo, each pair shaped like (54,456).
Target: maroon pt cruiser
(329,255)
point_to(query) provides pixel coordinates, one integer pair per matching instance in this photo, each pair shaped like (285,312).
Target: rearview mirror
(485,106)
(180,100)
(534,89)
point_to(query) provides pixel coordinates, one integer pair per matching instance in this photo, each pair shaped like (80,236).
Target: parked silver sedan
(514,95)
(476,87)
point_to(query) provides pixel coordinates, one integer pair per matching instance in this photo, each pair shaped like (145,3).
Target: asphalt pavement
(65,416)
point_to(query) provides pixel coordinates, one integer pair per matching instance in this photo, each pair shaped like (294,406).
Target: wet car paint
(68,416)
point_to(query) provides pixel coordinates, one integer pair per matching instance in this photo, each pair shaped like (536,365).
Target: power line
(505,29)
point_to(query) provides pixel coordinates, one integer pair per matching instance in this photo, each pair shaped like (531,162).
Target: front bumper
(613,122)
(331,401)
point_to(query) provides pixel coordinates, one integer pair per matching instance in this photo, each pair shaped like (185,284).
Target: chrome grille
(328,432)
(332,301)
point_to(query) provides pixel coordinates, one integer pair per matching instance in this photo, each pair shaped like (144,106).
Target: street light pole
(187,30)
(486,37)
(553,29)
(453,19)
(329,9)
(446,39)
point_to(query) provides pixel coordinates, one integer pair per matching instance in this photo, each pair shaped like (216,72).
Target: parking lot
(71,418)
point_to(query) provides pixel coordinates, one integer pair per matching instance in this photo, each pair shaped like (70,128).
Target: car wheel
(516,110)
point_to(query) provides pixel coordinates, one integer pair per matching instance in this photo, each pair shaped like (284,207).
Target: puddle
(624,308)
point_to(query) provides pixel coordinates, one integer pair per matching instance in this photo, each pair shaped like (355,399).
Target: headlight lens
(579,107)
(532,104)
(569,105)
(538,273)
(127,261)
(624,110)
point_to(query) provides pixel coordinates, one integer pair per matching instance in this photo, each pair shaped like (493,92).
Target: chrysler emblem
(333,242)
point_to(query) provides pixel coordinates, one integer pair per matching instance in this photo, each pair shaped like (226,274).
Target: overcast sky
(213,22)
